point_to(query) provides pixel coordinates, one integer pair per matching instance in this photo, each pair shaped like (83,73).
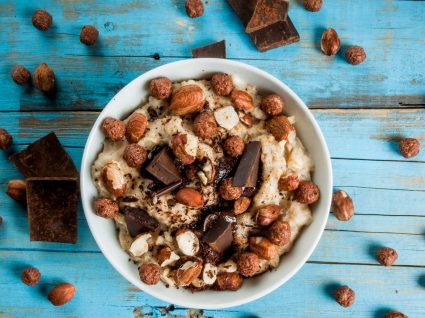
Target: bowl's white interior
(309,132)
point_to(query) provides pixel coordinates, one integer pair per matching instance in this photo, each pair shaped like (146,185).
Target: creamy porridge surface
(278,159)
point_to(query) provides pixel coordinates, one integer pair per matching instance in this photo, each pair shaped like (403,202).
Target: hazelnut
(61,294)
(150,273)
(113,129)
(263,247)
(386,256)
(268,214)
(135,155)
(44,78)
(342,205)
(190,197)
(345,296)
(5,139)
(313,5)
(279,233)
(355,55)
(30,276)
(289,182)
(330,43)
(228,191)
(234,146)
(136,127)
(248,264)
(42,20)
(89,35)
(105,208)
(194,8)
(17,190)
(205,126)
(187,100)
(161,88)
(21,75)
(241,100)
(241,205)
(272,104)
(280,127)
(395,314)
(229,281)
(222,84)
(307,192)
(409,147)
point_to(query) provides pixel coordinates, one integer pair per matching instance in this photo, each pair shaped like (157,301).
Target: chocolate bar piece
(52,209)
(244,9)
(220,237)
(163,168)
(217,50)
(247,172)
(138,221)
(267,12)
(275,35)
(45,157)
(169,188)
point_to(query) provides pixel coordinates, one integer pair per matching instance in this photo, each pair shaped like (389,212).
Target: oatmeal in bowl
(207,182)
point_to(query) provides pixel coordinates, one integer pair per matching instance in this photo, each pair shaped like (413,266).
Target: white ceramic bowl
(307,129)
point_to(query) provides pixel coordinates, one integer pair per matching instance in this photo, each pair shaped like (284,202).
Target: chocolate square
(244,9)
(247,172)
(267,12)
(162,167)
(217,50)
(138,221)
(45,157)
(52,209)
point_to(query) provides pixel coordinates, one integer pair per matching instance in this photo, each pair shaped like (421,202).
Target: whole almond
(17,190)
(241,100)
(61,294)
(188,272)
(136,127)
(263,247)
(190,197)
(187,100)
(330,43)
(113,179)
(280,127)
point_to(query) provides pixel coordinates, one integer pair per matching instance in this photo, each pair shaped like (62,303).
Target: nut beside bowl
(309,132)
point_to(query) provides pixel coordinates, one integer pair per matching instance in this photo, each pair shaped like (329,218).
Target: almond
(188,272)
(187,242)
(166,256)
(178,145)
(241,100)
(280,127)
(268,214)
(17,190)
(61,294)
(241,205)
(136,127)
(190,197)
(246,119)
(113,179)
(263,247)
(187,100)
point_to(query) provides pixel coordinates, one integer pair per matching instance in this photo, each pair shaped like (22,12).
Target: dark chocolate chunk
(163,168)
(247,172)
(169,188)
(217,50)
(45,158)
(244,9)
(138,220)
(220,236)
(52,209)
(224,169)
(275,35)
(267,12)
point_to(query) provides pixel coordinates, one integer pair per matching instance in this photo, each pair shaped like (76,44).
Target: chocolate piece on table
(138,220)
(247,172)
(45,157)
(220,236)
(169,188)
(217,50)
(163,168)
(244,9)
(275,35)
(267,12)
(52,209)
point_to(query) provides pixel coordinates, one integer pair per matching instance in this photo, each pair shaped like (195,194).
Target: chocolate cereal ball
(307,192)
(21,75)
(42,20)
(229,192)
(395,314)
(161,88)
(279,233)
(409,147)
(272,104)
(89,35)
(386,256)
(150,273)
(113,129)
(345,296)
(205,126)
(234,146)
(194,8)
(222,84)
(355,55)
(135,155)
(248,264)
(105,208)
(30,276)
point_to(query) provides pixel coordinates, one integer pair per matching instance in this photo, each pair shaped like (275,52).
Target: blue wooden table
(362,110)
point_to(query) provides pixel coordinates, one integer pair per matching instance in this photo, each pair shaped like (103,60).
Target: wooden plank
(307,294)
(350,134)
(132,31)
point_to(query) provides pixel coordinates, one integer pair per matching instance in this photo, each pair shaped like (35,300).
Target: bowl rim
(87,208)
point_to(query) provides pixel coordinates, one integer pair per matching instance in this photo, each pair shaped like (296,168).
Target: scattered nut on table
(21,75)
(330,43)
(342,205)
(194,8)
(61,294)
(31,276)
(42,20)
(355,55)
(44,78)
(313,5)
(345,296)
(409,147)
(89,35)
(395,314)
(386,256)
(6,139)
(17,190)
